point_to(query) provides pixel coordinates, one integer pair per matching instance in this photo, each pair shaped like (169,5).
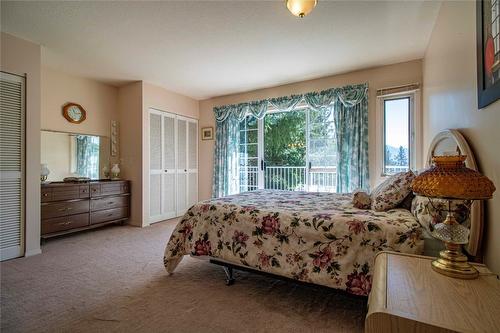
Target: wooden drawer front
(46,194)
(95,190)
(84,192)
(108,215)
(110,189)
(108,203)
(125,187)
(64,223)
(64,208)
(65,193)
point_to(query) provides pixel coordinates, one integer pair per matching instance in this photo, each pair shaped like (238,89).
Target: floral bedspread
(313,237)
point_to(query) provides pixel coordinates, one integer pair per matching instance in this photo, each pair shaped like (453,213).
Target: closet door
(182,165)
(168,177)
(192,189)
(11,165)
(155,165)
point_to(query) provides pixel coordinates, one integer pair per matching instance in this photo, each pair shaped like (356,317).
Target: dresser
(408,296)
(71,207)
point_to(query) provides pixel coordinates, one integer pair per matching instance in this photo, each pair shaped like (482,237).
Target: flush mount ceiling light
(300,8)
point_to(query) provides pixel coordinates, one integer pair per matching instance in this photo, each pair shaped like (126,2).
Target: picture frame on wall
(488,52)
(207,133)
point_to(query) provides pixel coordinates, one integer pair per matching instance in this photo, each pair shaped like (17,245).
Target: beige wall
(134,102)
(21,57)
(98,99)
(130,117)
(450,101)
(380,77)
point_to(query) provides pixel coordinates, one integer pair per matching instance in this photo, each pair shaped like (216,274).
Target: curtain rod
(397,89)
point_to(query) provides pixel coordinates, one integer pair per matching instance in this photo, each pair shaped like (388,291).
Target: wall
(134,102)
(380,77)
(450,101)
(21,57)
(130,118)
(98,99)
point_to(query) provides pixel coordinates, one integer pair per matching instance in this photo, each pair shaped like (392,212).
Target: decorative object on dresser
(115,172)
(408,296)
(449,179)
(71,207)
(44,172)
(74,113)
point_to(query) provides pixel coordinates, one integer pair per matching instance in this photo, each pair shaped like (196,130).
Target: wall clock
(74,113)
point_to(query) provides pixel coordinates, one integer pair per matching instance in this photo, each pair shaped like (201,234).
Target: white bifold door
(173,168)
(12,113)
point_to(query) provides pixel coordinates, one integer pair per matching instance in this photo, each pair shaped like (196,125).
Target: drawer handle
(110,214)
(64,209)
(111,202)
(65,223)
(45,194)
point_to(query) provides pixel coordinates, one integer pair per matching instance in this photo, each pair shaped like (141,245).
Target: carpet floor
(112,280)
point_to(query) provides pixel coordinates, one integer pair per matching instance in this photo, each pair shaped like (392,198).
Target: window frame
(413,127)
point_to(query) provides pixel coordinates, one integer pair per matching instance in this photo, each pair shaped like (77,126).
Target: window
(293,151)
(398,147)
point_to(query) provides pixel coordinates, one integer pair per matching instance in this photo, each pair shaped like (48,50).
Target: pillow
(428,215)
(392,191)
(361,199)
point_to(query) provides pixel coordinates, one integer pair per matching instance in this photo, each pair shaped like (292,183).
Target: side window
(397,134)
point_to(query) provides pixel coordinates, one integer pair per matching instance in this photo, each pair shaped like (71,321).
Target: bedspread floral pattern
(313,237)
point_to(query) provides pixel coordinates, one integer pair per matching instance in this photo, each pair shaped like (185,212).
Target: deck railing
(390,169)
(290,178)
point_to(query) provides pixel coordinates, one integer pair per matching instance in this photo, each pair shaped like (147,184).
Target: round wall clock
(74,113)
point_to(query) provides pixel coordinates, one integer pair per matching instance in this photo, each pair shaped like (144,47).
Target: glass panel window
(249,154)
(396,135)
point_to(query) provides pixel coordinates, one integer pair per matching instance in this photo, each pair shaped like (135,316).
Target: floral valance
(349,96)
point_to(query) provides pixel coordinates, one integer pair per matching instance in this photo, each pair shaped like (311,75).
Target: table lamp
(448,178)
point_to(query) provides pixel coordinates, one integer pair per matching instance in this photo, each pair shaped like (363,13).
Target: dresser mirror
(74,155)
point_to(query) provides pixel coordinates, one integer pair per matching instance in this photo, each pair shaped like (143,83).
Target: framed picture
(488,51)
(207,133)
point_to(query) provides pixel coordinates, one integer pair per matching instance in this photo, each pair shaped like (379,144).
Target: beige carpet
(112,280)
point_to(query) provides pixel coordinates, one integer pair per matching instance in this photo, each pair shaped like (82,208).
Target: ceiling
(204,49)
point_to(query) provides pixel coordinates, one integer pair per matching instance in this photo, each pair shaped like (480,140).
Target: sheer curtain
(350,107)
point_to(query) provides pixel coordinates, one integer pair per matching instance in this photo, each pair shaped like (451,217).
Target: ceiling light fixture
(300,8)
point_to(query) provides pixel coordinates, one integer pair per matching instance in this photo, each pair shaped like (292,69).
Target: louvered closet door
(155,166)
(182,175)
(168,180)
(192,188)
(11,166)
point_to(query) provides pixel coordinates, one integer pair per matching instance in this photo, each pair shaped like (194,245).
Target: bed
(319,238)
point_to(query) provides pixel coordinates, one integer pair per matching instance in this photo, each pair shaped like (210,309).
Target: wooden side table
(408,296)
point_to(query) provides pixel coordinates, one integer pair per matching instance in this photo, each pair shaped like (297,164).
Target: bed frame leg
(229,275)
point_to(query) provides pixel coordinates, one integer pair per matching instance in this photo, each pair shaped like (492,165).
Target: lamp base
(453,263)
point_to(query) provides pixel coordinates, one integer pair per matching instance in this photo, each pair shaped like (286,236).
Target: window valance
(349,96)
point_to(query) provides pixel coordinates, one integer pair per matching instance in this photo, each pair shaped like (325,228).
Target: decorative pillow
(361,199)
(392,191)
(407,201)
(429,214)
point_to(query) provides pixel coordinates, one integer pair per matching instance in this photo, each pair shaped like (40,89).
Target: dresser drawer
(46,195)
(84,191)
(108,215)
(65,193)
(64,223)
(95,190)
(64,208)
(111,188)
(108,203)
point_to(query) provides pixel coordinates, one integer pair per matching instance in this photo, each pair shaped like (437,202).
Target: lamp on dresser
(448,178)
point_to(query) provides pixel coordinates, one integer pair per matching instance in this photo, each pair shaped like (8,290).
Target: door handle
(310,165)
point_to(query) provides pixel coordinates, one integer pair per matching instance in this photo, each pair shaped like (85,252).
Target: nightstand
(408,296)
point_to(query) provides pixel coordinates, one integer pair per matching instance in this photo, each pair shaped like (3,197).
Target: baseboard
(33,252)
